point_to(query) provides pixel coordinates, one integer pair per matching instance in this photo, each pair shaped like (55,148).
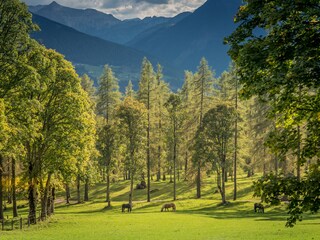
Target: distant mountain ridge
(79,47)
(199,34)
(84,49)
(99,24)
(178,43)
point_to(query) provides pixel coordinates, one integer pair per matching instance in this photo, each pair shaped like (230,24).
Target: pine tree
(108,99)
(161,96)
(190,120)
(146,93)
(203,93)
(173,106)
(129,90)
(132,116)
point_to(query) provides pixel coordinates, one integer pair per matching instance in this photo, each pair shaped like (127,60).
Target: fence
(16,223)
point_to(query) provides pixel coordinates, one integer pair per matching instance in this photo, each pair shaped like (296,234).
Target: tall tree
(228,94)
(15,26)
(133,115)
(173,106)
(146,96)
(190,119)
(213,141)
(161,96)
(108,99)
(281,66)
(203,87)
(64,126)
(88,86)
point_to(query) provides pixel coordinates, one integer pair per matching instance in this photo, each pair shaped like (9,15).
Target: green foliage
(108,94)
(3,126)
(129,90)
(213,140)
(15,26)
(303,196)
(133,120)
(281,65)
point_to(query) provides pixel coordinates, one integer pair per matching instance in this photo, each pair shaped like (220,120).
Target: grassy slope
(194,219)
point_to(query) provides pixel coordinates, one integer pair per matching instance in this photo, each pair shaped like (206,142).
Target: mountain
(88,21)
(199,34)
(88,52)
(151,30)
(82,48)
(98,24)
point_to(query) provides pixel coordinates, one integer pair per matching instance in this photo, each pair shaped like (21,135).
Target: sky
(126,9)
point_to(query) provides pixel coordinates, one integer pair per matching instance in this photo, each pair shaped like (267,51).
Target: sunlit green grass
(194,218)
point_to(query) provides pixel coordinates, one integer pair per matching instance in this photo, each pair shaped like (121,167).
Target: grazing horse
(166,207)
(126,205)
(258,207)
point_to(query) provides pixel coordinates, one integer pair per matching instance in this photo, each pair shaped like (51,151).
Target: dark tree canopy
(276,50)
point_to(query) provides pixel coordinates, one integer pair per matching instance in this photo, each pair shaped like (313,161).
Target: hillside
(89,21)
(82,48)
(197,35)
(99,24)
(88,53)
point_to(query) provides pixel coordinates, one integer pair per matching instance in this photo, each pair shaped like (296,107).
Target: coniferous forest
(65,138)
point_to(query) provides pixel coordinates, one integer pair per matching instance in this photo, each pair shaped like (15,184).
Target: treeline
(47,120)
(58,129)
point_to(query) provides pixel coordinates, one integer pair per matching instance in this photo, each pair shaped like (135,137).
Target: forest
(260,118)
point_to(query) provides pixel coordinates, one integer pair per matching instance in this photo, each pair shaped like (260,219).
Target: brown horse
(128,206)
(166,207)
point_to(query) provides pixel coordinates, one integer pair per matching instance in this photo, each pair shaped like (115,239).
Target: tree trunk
(49,201)
(53,197)
(13,189)
(235,147)
(186,167)
(223,190)
(108,189)
(199,181)
(9,185)
(148,146)
(86,190)
(67,193)
(225,175)
(164,176)
(78,189)
(299,155)
(174,161)
(159,164)
(32,197)
(45,198)
(1,187)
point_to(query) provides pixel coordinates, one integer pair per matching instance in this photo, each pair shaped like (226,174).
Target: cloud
(154,1)
(125,9)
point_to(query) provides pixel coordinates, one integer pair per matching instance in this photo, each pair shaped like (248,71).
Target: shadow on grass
(233,210)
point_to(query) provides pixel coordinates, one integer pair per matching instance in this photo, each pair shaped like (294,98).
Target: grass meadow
(194,219)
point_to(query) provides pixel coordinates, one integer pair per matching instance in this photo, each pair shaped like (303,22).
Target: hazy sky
(125,9)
